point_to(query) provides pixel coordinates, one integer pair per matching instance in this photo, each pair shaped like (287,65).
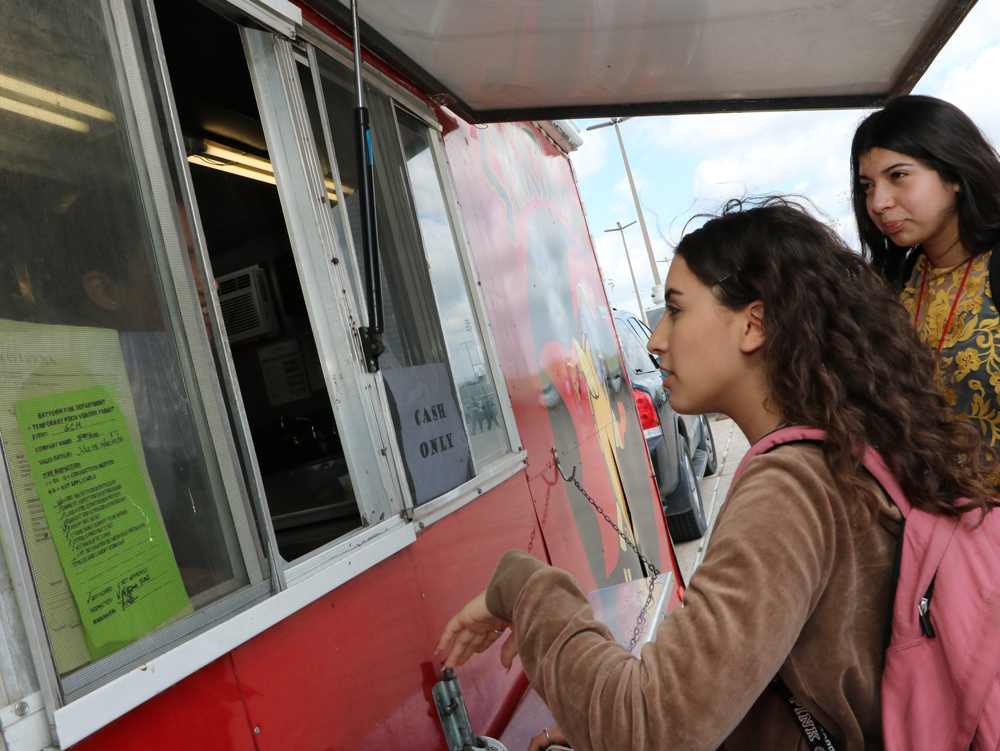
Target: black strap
(816,736)
(994,274)
(897,559)
(909,262)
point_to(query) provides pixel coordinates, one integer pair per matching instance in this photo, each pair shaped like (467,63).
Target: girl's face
(703,345)
(910,203)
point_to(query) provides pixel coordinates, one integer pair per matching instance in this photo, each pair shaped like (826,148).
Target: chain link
(653,570)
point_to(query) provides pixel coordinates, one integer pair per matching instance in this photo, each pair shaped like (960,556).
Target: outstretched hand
(547,738)
(475,630)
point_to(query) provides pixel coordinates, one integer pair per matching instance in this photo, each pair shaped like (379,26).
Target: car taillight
(647,410)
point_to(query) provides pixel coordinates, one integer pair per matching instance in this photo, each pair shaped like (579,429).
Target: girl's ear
(752,320)
(101,290)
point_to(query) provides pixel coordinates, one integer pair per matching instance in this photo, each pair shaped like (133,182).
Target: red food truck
(273,403)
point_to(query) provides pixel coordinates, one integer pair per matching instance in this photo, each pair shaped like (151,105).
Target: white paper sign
(435,446)
(284,372)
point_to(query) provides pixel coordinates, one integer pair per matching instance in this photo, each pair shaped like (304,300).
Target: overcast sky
(689,164)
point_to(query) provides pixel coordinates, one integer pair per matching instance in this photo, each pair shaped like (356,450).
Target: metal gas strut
(371,335)
(455,718)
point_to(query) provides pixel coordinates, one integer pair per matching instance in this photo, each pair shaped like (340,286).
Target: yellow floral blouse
(969,365)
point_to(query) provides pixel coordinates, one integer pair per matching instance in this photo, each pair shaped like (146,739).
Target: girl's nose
(880,198)
(657,343)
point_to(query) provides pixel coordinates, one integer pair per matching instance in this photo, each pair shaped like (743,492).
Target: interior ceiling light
(232,168)
(220,151)
(54,98)
(227,159)
(38,113)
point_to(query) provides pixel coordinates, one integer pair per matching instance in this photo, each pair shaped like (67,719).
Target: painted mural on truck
(536,262)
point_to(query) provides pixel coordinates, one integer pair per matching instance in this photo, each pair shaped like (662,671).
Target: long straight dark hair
(943,138)
(840,354)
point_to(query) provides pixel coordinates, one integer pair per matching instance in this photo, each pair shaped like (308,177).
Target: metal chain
(641,620)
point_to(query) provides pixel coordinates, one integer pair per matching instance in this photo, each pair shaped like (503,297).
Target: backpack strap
(788,434)
(906,265)
(927,535)
(816,736)
(873,461)
(994,273)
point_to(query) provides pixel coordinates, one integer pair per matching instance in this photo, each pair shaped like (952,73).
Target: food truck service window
(452,424)
(187,426)
(124,503)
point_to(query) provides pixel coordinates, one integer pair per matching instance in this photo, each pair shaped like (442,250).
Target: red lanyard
(920,302)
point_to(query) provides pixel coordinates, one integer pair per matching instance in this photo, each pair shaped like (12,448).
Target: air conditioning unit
(565,133)
(247,305)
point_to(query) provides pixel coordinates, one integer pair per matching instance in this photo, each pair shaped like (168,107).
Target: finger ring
(497,632)
(547,736)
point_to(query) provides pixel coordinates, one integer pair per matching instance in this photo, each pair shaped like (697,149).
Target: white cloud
(978,31)
(622,186)
(615,269)
(592,155)
(973,89)
(807,156)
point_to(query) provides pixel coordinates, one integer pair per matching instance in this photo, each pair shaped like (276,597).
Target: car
(681,448)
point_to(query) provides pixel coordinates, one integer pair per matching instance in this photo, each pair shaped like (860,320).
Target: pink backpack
(941,685)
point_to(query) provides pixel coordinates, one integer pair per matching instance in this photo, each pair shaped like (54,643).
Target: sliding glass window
(442,397)
(121,471)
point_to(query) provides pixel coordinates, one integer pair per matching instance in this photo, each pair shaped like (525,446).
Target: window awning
(552,59)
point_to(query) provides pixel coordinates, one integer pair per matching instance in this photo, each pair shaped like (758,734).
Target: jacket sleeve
(763,573)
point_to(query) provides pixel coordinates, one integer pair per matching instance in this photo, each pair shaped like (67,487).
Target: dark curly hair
(942,138)
(841,354)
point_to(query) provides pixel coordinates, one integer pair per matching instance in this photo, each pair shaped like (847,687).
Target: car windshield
(634,351)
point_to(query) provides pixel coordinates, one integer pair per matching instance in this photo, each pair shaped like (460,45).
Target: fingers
(488,641)
(450,631)
(464,646)
(508,651)
(473,630)
(545,738)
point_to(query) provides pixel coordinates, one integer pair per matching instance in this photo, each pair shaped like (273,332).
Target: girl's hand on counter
(547,738)
(472,631)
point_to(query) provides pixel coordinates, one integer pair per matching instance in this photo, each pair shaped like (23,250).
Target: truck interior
(282,387)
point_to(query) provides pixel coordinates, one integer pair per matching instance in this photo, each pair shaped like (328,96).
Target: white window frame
(305,580)
(134,80)
(356,396)
(500,470)
(100,707)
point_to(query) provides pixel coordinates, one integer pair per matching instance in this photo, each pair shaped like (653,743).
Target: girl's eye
(898,174)
(672,311)
(865,187)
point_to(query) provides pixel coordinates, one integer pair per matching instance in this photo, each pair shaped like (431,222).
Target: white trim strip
(491,476)
(280,16)
(90,713)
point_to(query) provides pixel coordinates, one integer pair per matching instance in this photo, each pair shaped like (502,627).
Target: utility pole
(621,229)
(635,196)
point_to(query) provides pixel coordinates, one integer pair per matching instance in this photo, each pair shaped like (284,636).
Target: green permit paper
(111,543)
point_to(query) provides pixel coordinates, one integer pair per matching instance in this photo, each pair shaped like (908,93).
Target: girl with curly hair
(773,321)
